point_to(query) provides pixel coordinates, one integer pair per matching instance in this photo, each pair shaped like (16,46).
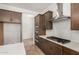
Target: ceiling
(38,7)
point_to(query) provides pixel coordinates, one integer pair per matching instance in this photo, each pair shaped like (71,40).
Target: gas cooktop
(60,40)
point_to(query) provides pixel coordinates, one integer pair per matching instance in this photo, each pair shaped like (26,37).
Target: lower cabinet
(51,48)
(48,47)
(67,51)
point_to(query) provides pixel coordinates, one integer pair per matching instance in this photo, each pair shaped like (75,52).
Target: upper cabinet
(5,15)
(10,16)
(48,22)
(75,16)
(16,17)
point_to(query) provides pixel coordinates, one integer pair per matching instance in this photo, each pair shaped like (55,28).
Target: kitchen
(39,28)
(61,30)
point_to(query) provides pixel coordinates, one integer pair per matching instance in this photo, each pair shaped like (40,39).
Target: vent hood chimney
(60,13)
(60,9)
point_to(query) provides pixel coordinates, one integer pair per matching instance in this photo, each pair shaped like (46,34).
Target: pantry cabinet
(10,27)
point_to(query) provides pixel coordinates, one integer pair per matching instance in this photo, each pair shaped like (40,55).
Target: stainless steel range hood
(60,13)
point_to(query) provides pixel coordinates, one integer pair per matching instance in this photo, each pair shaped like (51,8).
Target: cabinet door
(75,16)
(42,25)
(15,17)
(53,48)
(43,46)
(1,33)
(49,48)
(67,51)
(48,16)
(5,16)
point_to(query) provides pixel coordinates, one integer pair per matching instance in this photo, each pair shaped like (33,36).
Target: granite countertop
(72,45)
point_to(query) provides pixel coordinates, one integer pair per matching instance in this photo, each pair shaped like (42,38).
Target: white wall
(27,26)
(62,29)
(17,9)
(66,9)
(52,7)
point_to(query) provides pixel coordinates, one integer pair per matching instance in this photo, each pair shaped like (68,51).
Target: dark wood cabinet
(1,33)
(67,51)
(52,48)
(10,16)
(55,49)
(48,19)
(40,25)
(49,48)
(75,16)
(16,17)
(5,16)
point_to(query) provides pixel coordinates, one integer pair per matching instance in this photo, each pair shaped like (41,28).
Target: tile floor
(31,48)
